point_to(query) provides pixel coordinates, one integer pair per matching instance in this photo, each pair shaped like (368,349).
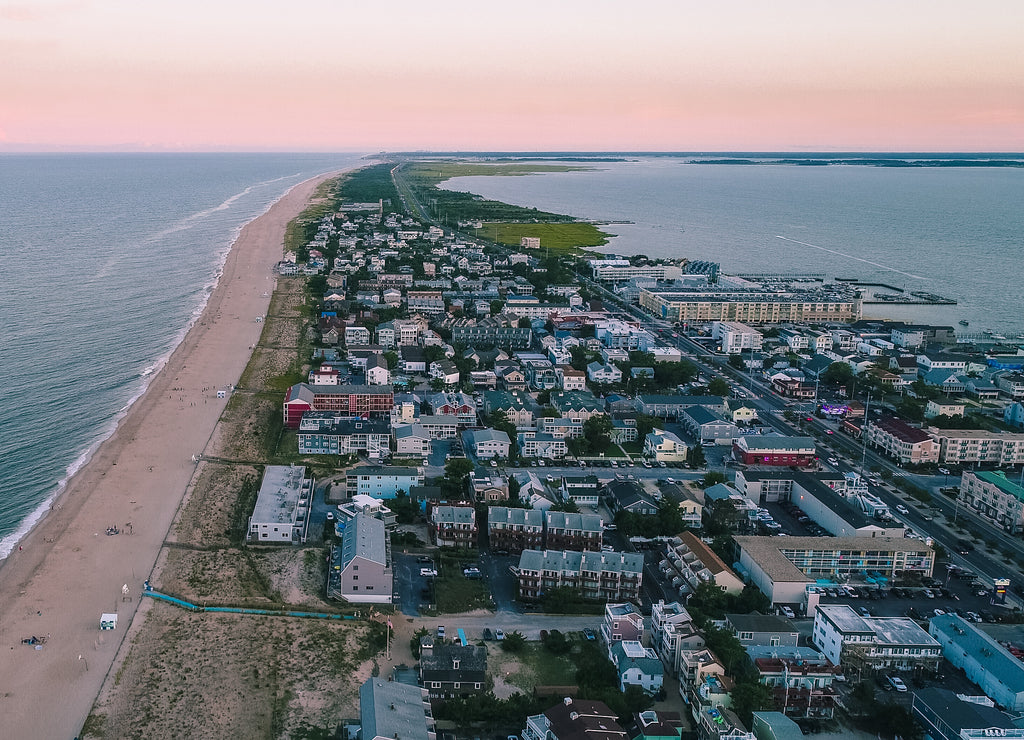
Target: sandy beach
(69,571)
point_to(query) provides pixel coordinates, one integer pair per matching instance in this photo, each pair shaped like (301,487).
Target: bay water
(951,230)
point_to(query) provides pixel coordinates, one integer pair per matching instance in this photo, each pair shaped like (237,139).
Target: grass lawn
(534,666)
(633,448)
(455,594)
(558,237)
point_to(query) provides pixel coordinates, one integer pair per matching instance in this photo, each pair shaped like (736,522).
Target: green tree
(514,642)
(392,359)
(718,387)
(838,373)
(524,323)
(736,362)
(432,353)
(697,458)
(711,478)
(496,306)
(597,430)
(749,697)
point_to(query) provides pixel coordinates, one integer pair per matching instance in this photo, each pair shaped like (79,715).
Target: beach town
(403,480)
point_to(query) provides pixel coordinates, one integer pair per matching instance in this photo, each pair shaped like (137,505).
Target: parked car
(425,559)
(897,683)
(499,635)
(488,635)
(440,632)
(902,509)
(428,572)
(787,612)
(589,633)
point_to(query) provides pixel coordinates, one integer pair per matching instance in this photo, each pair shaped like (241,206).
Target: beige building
(784,567)
(995,498)
(750,308)
(899,440)
(958,446)
(690,562)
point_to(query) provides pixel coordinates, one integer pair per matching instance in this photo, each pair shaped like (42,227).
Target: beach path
(70,570)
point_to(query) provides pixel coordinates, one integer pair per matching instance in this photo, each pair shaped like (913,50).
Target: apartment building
(596,576)
(897,439)
(966,446)
(872,644)
(327,433)
(735,338)
(349,400)
(454,526)
(994,497)
(513,530)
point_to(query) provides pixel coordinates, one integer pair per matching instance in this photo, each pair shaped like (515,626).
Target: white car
(787,612)
(833,461)
(897,683)
(902,509)
(428,572)
(944,471)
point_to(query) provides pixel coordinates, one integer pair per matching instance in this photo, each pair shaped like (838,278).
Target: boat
(964,322)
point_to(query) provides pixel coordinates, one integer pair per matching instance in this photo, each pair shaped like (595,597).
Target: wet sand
(69,571)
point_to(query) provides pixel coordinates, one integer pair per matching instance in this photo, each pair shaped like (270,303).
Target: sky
(530,75)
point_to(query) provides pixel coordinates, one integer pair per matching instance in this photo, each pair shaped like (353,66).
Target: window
(355,578)
(435,684)
(746,635)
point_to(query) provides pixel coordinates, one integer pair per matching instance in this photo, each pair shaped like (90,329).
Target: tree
(436,385)
(697,458)
(749,697)
(718,387)
(597,430)
(514,642)
(432,353)
(392,359)
(711,478)
(838,373)
(496,306)
(736,362)
(525,323)
(556,642)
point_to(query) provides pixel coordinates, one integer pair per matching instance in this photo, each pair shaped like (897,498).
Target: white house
(599,373)
(665,446)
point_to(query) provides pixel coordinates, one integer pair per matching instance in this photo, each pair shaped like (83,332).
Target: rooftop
(757,622)
(768,551)
(365,537)
(280,492)
(953,630)
(389,709)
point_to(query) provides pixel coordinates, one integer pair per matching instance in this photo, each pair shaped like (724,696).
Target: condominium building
(735,337)
(349,400)
(899,440)
(870,644)
(327,433)
(513,530)
(673,631)
(784,567)
(598,576)
(690,562)
(281,513)
(994,497)
(620,271)
(454,526)
(753,307)
(960,446)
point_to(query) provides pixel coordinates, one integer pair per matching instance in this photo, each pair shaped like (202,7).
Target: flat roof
(967,638)
(393,709)
(279,494)
(767,551)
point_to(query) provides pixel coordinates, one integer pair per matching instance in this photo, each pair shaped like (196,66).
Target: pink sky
(557,75)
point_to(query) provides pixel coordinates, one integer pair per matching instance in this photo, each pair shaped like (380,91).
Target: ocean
(955,231)
(107,260)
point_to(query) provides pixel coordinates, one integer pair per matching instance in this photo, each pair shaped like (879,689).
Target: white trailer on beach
(108,621)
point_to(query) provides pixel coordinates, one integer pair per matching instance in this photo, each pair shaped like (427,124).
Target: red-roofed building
(899,440)
(351,400)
